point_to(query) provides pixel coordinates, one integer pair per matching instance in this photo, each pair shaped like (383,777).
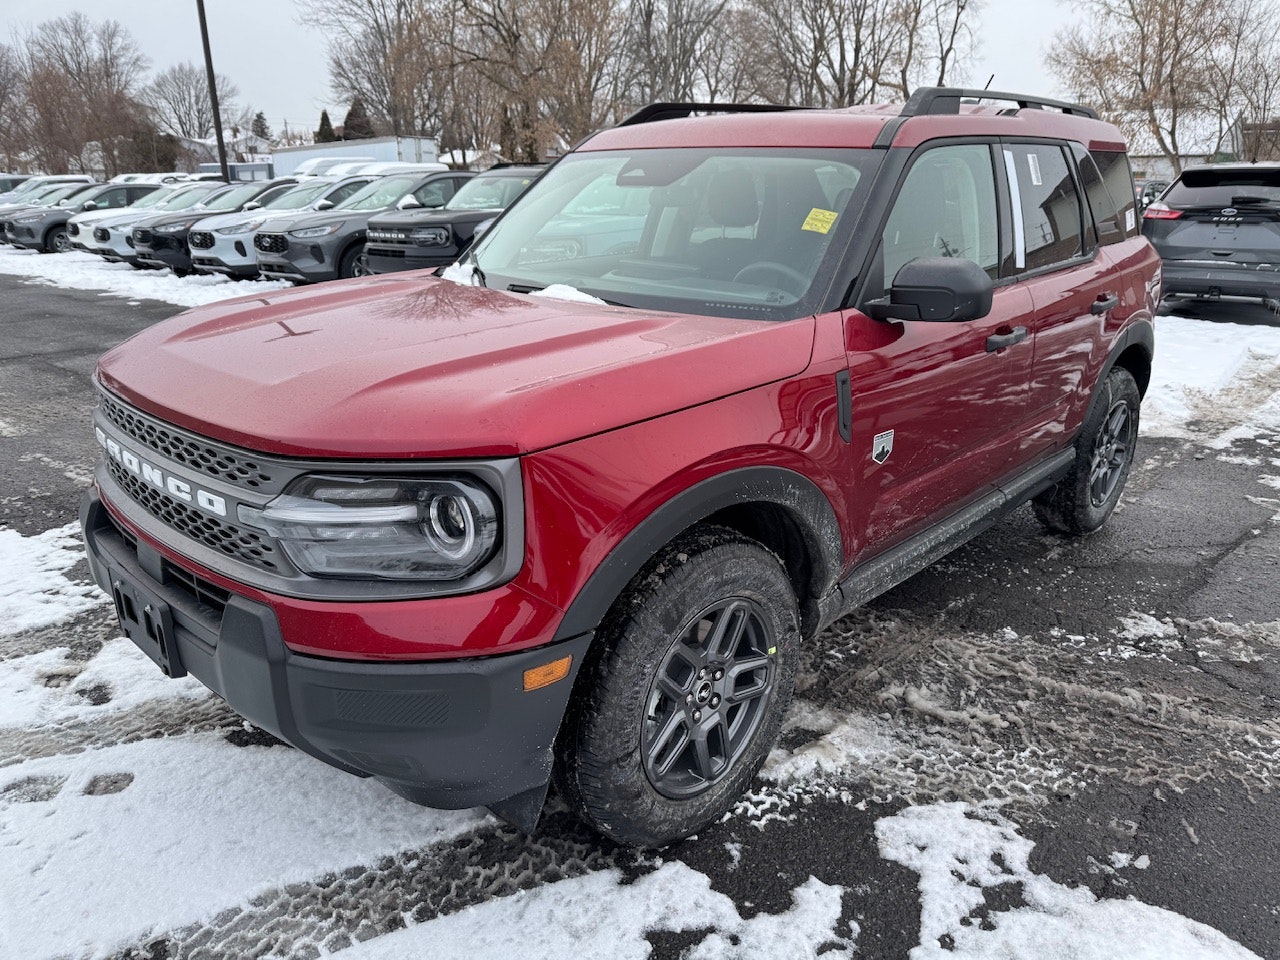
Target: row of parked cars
(351,220)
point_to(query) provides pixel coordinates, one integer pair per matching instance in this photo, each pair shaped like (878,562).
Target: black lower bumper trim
(449,734)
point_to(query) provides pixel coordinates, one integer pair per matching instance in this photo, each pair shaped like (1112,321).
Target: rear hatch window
(1248,191)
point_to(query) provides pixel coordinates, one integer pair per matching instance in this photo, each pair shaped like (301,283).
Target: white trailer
(387,149)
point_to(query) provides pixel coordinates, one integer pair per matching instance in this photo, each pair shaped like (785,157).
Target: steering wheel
(772,267)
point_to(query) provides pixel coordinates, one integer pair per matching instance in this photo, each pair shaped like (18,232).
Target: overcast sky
(280,65)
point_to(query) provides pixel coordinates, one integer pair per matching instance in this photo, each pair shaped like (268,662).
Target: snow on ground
(117,842)
(1224,373)
(33,591)
(87,271)
(961,852)
(551,922)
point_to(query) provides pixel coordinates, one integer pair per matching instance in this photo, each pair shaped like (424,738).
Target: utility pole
(213,93)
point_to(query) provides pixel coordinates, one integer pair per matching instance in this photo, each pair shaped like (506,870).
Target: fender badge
(882,446)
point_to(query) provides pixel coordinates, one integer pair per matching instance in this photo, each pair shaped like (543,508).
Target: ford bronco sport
(570,511)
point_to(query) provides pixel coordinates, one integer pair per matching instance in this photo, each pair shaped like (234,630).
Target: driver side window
(946,208)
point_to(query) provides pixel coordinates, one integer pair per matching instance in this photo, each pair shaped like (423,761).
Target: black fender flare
(801,498)
(1140,334)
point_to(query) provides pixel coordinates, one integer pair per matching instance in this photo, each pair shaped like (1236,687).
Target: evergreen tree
(260,128)
(357,125)
(325,133)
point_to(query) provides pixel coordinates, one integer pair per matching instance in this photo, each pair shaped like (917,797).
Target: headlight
(38,216)
(385,528)
(244,226)
(173,227)
(429,236)
(308,232)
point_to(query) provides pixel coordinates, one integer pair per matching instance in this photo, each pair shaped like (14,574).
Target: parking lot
(1078,736)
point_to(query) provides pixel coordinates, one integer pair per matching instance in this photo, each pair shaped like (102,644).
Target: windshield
(232,198)
(1225,188)
(185,197)
(62,193)
(725,232)
(152,199)
(299,196)
(379,194)
(488,193)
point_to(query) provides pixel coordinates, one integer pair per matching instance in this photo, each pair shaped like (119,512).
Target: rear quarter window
(1108,187)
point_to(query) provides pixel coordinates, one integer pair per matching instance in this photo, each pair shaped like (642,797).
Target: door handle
(1104,303)
(998,341)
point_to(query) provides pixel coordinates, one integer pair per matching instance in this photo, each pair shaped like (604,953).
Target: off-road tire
(1082,501)
(606,749)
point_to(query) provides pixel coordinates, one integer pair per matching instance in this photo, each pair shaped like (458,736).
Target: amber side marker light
(535,678)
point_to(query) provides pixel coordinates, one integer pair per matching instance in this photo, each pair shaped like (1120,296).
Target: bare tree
(13,106)
(80,80)
(1168,72)
(179,100)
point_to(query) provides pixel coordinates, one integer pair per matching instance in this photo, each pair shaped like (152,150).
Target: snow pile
(961,852)
(562,291)
(1224,374)
(86,271)
(597,914)
(34,592)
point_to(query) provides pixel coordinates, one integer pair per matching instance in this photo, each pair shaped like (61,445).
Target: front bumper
(450,734)
(164,251)
(232,256)
(23,236)
(305,261)
(1205,279)
(384,258)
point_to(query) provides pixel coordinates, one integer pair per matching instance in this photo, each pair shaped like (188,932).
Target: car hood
(319,218)
(407,367)
(98,217)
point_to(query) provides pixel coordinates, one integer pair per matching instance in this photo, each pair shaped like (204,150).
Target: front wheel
(353,264)
(1081,502)
(57,241)
(687,695)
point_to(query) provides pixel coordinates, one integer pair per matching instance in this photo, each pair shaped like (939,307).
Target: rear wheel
(686,697)
(1081,502)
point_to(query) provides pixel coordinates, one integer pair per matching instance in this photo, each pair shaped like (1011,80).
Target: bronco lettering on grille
(160,479)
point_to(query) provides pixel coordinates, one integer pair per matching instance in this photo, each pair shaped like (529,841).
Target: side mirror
(936,288)
(91,205)
(408,202)
(324,205)
(252,205)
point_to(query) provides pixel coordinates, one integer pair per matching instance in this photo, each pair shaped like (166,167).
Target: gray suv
(330,245)
(45,228)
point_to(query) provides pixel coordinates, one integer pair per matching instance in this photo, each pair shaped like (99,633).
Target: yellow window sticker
(819,220)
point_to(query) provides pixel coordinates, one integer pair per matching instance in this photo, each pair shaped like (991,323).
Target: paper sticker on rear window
(1033,164)
(819,220)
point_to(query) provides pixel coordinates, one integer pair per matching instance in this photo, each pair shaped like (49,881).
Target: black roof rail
(676,111)
(933,100)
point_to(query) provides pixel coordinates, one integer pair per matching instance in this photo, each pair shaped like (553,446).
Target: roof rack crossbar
(675,111)
(932,100)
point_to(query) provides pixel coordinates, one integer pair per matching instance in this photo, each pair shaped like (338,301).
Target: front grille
(141,236)
(187,450)
(207,594)
(388,236)
(101,234)
(200,238)
(240,544)
(271,242)
(390,253)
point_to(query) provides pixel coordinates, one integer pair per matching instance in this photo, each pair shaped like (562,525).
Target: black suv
(1217,230)
(412,239)
(330,245)
(161,241)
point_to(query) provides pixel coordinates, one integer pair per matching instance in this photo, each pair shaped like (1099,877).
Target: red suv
(721,375)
